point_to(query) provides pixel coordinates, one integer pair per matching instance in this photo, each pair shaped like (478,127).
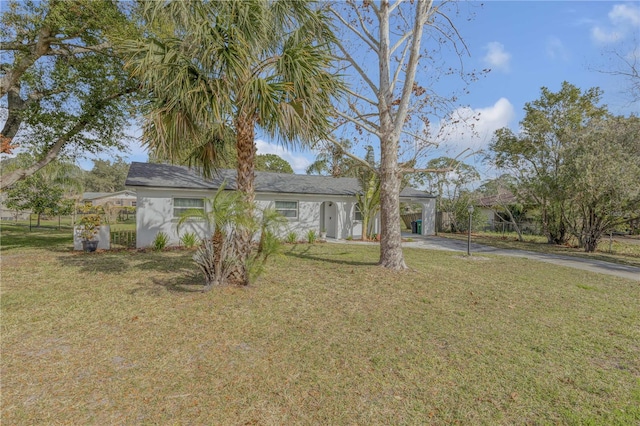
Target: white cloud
(623,20)
(603,36)
(556,49)
(497,57)
(299,163)
(473,128)
(622,14)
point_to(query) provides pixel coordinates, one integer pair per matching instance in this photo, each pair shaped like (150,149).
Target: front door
(330,219)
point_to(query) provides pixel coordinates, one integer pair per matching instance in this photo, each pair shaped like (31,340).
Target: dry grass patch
(325,337)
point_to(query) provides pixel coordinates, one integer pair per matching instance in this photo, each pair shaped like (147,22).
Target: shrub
(312,236)
(160,242)
(349,237)
(189,239)
(90,226)
(292,237)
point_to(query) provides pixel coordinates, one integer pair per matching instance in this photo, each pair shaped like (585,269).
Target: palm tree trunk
(246,151)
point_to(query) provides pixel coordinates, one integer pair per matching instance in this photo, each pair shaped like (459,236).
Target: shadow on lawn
(118,262)
(329,258)
(188,283)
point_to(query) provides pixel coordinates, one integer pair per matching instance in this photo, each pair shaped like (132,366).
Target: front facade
(316,203)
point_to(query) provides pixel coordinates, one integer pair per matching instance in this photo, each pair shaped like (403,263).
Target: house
(308,202)
(125,198)
(493,207)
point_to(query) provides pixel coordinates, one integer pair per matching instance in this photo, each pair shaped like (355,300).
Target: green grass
(324,337)
(623,250)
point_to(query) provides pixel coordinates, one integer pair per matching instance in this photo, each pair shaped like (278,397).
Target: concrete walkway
(592,265)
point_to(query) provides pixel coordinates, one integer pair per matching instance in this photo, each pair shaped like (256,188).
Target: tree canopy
(67,92)
(574,161)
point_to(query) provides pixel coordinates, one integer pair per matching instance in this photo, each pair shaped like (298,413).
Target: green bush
(312,236)
(189,239)
(161,241)
(292,237)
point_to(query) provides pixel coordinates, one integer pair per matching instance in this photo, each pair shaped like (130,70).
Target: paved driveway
(599,266)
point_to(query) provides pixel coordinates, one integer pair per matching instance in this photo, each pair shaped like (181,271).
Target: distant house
(126,198)
(308,202)
(493,208)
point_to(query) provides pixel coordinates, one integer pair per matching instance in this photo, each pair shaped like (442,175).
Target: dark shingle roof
(169,176)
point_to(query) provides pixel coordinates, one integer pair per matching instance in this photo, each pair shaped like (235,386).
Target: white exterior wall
(429,217)
(334,213)
(155,214)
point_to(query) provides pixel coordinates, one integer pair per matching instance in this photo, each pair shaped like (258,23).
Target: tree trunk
(391,255)
(246,151)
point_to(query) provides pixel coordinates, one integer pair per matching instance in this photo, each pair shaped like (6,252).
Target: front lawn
(324,337)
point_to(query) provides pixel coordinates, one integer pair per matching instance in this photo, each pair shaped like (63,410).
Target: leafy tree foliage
(537,156)
(272,163)
(369,198)
(106,176)
(451,188)
(576,162)
(603,171)
(331,160)
(64,82)
(34,194)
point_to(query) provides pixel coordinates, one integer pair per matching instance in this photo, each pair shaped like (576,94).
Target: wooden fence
(126,239)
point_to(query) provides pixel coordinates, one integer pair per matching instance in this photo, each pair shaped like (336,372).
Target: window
(181,205)
(133,204)
(288,209)
(358,213)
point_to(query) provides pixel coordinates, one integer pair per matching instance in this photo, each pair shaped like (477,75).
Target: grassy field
(623,250)
(324,337)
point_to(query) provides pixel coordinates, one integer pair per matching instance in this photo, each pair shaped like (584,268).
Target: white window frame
(183,209)
(356,211)
(289,209)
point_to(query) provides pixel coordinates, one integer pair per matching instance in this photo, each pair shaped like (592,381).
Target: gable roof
(153,175)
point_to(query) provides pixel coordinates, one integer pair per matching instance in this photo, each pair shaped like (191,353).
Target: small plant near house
(312,236)
(90,226)
(189,239)
(160,242)
(349,238)
(292,237)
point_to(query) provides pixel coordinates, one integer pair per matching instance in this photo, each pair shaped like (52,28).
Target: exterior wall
(315,212)
(155,214)
(120,201)
(429,217)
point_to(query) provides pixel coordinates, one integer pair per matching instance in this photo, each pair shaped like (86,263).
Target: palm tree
(238,65)
(226,214)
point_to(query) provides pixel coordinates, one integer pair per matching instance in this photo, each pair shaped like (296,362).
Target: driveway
(599,266)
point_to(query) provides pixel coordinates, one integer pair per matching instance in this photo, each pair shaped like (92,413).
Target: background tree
(52,190)
(332,160)
(501,191)
(106,176)
(369,199)
(218,70)
(272,163)
(603,169)
(64,82)
(536,157)
(381,44)
(452,189)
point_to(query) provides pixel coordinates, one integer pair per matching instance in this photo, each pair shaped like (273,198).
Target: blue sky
(527,45)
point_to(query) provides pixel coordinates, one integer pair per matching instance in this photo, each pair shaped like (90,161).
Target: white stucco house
(308,202)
